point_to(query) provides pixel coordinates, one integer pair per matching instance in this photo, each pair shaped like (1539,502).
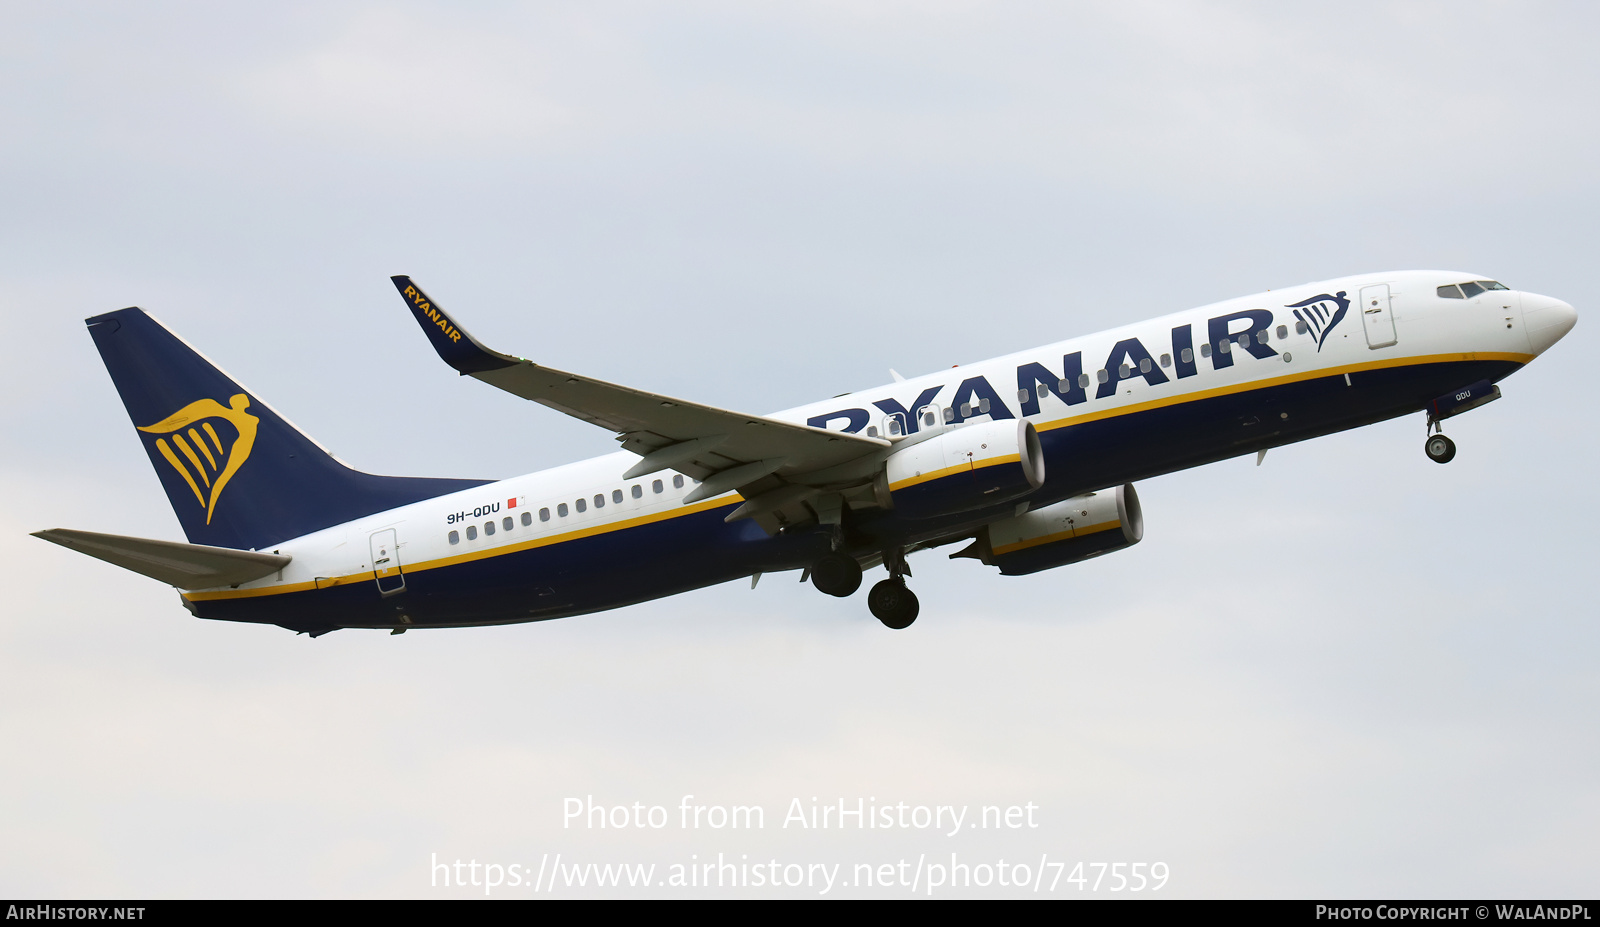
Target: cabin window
(562,510)
(507,523)
(872,431)
(894,426)
(1101,375)
(638,491)
(656,486)
(455,537)
(983,406)
(966,409)
(1145,365)
(544,514)
(599,500)
(677,481)
(1244,340)
(1283,332)
(527,519)
(1124,372)
(1024,395)
(616,496)
(1261,337)
(1226,347)
(580,505)
(1166,360)
(930,420)
(949,415)
(472,532)
(488,529)
(1471,289)
(1300,327)
(1205,350)
(1187,356)
(1286,357)
(1083,381)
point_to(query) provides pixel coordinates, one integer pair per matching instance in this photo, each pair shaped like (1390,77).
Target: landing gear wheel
(837,575)
(893,604)
(1440,449)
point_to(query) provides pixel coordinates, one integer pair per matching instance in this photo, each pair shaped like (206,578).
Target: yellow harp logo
(211,462)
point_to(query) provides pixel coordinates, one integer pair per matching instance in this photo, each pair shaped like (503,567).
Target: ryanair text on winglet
(435,315)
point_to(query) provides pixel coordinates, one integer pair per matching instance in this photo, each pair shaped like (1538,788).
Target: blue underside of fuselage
(691,551)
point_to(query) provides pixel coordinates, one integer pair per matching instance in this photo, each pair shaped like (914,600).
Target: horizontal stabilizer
(187,566)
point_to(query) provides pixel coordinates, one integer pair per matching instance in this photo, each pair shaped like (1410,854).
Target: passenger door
(1376,316)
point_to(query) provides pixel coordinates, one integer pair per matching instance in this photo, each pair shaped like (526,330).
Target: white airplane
(1028,458)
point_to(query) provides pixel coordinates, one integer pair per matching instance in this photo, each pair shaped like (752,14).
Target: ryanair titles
(1247,330)
(425,308)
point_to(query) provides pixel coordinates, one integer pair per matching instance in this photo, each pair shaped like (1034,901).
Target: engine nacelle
(966,468)
(1066,532)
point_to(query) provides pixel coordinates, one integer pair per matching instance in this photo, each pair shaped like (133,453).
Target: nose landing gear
(1440,449)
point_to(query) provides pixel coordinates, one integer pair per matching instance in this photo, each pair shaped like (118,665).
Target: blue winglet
(457,348)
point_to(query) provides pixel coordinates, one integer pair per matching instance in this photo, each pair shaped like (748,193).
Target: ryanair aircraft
(1028,460)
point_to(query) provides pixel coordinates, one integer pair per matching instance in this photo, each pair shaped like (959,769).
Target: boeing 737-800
(1028,460)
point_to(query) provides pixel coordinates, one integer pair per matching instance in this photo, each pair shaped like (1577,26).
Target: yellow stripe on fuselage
(938,474)
(482,554)
(1298,377)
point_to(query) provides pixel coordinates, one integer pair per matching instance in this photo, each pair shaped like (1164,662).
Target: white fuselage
(1125,371)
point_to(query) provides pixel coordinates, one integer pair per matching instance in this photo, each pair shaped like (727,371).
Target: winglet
(457,348)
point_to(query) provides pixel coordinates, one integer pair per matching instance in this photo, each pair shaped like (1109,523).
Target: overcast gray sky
(1349,672)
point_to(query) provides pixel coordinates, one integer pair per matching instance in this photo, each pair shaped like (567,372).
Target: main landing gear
(836,574)
(891,602)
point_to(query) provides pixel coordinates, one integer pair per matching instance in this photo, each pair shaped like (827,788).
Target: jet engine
(1069,531)
(966,468)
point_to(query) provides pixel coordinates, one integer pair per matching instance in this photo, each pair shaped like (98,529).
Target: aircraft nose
(1547,320)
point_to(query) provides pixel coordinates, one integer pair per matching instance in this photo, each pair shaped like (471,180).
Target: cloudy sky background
(1350,672)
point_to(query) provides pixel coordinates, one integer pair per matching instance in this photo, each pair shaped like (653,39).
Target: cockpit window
(1470,289)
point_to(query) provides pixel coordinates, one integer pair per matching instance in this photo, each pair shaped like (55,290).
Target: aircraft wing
(724,449)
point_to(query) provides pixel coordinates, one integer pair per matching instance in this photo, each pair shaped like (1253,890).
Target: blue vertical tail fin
(237,474)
